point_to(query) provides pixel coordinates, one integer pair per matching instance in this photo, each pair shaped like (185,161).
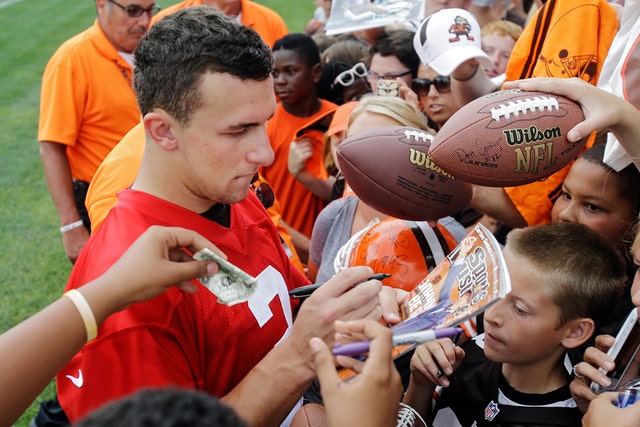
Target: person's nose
(566,211)
(261,152)
(494,314)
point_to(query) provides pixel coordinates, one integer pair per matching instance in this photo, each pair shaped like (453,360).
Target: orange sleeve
(264,21)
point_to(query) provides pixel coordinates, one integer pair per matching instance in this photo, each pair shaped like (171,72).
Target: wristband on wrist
(469,77)
(85,312)
(71,226)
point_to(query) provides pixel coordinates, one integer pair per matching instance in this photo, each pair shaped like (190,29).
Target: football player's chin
(237,195)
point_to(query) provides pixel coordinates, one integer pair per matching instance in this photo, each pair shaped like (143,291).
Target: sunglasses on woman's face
(421,86)
(346,78)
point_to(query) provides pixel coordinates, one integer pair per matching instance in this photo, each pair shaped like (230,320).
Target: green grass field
(34,268)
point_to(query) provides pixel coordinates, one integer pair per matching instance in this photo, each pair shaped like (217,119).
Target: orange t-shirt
(119,170)
(87,102)
(564,39)
(300,207)
(263,20)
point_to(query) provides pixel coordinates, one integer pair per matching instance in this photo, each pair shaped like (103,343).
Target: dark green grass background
(34,268)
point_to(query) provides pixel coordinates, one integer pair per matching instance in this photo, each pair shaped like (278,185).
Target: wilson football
(390,170)
(508,138)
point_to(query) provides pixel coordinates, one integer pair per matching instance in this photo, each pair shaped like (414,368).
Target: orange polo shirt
(263,20)
(87,102)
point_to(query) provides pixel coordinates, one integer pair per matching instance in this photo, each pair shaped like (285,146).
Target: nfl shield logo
(491,411)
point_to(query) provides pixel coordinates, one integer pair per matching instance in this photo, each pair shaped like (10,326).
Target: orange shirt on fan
(87,102)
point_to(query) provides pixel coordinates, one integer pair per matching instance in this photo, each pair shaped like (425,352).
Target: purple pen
(360,347)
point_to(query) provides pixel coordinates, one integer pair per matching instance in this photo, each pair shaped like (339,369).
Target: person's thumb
(325,367)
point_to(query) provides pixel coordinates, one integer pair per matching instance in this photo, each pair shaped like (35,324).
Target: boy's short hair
(302,44)
(584,273)
(178,50)
(349,51)
(168,407)
(628,178)
(398,43)
(502,28)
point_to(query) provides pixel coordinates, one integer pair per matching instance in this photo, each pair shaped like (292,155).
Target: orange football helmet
(408,250)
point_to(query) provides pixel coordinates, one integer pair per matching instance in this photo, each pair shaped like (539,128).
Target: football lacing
(524,106)
(407,417)
(418,135)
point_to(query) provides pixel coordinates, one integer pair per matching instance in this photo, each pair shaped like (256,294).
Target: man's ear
(160,125)
(578,331)
(316,72)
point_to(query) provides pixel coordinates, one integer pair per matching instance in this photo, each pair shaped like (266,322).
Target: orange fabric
(263,20)
(274,213)
(119,170)
(87,102)
(300,207)
(340,118)
(563,39)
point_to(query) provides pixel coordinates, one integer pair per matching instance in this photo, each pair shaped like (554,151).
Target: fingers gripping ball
(389,169)
(407,250)
(508,138)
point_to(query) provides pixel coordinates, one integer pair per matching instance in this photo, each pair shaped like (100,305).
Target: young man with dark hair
(205,91)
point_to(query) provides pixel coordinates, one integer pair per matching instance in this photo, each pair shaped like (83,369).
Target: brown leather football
(508,138)
(389,168)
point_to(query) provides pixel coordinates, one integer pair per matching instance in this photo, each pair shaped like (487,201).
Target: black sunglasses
(134,11)
(421,86)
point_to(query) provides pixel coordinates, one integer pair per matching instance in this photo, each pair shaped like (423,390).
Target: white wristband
(85,312)
(71,226)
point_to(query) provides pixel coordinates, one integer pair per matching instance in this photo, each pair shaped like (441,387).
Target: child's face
(590,197)
(522,329)
(294,80)
(499,50)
